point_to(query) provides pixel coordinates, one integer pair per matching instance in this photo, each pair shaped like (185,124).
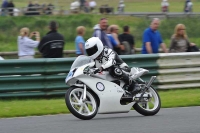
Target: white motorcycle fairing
(108,92)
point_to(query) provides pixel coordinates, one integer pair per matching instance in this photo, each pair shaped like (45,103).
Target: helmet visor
(91,51)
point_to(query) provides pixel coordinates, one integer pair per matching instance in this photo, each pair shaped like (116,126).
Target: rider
(107,59)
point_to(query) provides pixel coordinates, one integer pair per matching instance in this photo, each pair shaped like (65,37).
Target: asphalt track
(175,120)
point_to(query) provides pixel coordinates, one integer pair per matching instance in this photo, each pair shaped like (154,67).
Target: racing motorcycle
(93,92)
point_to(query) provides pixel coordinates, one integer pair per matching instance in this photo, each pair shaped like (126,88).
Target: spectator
(114,32)
(121,6)
(4,7)
(52,45)
(36,5)
(44,7)
(115,45)
(92,5)
(111,38)
(152,39)
(10,7)
(75,6)
(106,9)
(79,41)
(180,41)
(50,8)
(30,9)
(26,45)
(37,8)
(126,37)
(188,6)
(16,12)
(165,6)
(100,32)
(86,6)
(82,4)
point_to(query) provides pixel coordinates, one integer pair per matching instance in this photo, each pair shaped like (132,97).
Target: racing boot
(134,88)
(128,81)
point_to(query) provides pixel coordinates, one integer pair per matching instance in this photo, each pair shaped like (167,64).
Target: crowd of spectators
(37,9)
(87,6)
(125,44)
(8,7)
(52,44)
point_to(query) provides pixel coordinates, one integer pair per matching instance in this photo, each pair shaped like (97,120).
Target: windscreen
(80,61)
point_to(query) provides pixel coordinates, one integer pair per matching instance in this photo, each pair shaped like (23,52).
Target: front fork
(147,86)
(84,93)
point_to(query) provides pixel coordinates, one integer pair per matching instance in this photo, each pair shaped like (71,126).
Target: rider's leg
(130,84)
(118,73)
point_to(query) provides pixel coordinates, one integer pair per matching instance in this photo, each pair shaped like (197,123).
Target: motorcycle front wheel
(151,106)
(84,110)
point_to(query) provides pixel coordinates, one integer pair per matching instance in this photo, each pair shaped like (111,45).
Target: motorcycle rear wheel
(84,110)
(150,107)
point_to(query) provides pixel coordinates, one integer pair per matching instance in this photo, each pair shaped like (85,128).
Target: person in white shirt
(165,6)
(121,6)
(189,6)
(26,45)
(75,5)
(92,5)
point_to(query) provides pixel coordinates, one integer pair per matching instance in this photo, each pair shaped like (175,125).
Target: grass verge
(30,107)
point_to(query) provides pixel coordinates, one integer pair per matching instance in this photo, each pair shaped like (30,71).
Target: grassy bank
(9,27)
(29,107)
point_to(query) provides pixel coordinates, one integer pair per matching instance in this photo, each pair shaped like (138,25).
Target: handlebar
(90,71)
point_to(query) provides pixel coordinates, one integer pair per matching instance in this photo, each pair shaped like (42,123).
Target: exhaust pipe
(150,81)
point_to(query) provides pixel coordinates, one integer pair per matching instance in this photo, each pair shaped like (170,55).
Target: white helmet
(93,47)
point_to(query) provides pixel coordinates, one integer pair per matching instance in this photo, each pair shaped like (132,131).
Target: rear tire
(145,108)
(82,110)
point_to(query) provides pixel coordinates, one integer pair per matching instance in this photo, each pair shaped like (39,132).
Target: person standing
(165,6)
(100,32)
(79,41)
(114,32)
(180,41)
(152,39)
(26,45)
(92,5)
(11,8)
(82,4)
(121,6)
(189,6)
(116,45)
(126,37)
(52,45)
(4,8)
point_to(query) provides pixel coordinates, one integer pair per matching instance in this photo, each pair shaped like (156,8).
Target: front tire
(84,110)
(150,107)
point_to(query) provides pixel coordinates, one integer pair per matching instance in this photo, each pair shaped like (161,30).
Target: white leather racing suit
(109,60)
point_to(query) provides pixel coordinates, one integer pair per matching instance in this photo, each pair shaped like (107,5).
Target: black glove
(96,70)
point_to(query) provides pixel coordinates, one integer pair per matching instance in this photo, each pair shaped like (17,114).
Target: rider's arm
(111,60)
